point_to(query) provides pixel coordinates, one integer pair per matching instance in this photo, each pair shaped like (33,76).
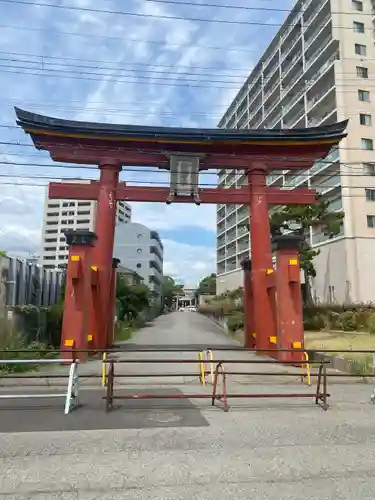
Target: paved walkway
(186,449)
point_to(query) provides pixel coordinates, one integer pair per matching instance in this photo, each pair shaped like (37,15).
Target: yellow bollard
(209,359)
(104,370)
(308,371)
(201,368)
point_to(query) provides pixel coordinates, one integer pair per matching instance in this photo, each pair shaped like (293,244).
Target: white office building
(63,215)
(319,69)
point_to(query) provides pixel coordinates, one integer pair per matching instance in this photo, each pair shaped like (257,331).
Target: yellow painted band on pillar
(94,268)
(75,258)
(273,340)
(89,337)
(69,343)
(104,369)
(293,262)
(254,335)
(269,271)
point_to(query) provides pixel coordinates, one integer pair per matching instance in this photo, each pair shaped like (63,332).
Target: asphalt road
(168,450)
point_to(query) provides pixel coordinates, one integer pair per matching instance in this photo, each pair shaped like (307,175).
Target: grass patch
(124,332)
(337,341)
(126,329)
(10,340)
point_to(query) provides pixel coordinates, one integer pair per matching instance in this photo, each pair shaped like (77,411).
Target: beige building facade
(319,69)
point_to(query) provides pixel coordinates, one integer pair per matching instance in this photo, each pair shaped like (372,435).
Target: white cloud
(179,257)
(119,54)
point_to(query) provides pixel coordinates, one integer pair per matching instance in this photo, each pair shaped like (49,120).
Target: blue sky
(86,65)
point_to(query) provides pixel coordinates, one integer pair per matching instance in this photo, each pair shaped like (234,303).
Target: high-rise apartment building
(141,250)
(318,69)
(62,215)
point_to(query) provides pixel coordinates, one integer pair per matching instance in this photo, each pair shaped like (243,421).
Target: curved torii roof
(47,131)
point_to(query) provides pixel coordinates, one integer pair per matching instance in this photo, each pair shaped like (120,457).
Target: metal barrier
(71,394)
(320,395)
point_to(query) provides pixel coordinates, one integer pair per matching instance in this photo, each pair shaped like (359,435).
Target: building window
(362,72)
(371,221)
(139,265)
(360,50)
(365,119)
(357,5)
(370,194)
(358,27)
(367,144)
(139,250)
(369,168)
(364,95)
(69,204)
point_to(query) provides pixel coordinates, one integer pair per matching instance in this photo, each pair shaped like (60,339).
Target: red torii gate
(89,298)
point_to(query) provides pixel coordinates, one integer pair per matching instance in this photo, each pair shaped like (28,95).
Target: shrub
(371,323)
(235,322)
(348,321)
(313,323)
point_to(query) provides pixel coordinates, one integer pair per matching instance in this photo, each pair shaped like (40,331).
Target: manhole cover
(164,417)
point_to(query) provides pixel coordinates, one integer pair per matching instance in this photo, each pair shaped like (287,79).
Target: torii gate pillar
(263,319)
(105,224)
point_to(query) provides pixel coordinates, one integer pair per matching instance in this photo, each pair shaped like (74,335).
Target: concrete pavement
(266,449)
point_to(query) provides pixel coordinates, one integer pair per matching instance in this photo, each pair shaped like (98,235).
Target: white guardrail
(71,394)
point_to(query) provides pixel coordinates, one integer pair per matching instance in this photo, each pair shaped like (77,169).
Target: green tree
(131,299)
(207,285)
(3,253)
(171,290)
(306,216)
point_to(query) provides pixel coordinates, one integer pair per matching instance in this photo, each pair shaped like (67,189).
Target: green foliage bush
(345,317)
(235,322)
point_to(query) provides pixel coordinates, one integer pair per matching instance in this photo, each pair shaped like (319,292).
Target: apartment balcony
(231,236)
(328,161)
(243,214)
(231,224)
(243,246)
(255,92)
(231,251)
(326,118)
(315,65)
(313,18)
(157,251)
(231,265)
(321,37)
(329,185)
(220,240)
(273,90)
(335,205)
(155,276)
(323,103)
(220,268)
(270,69)
(220,229)
(298,120)
(220,256)
(295,43)
(298,180)
(290,66)
(276,180)
(294,26)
